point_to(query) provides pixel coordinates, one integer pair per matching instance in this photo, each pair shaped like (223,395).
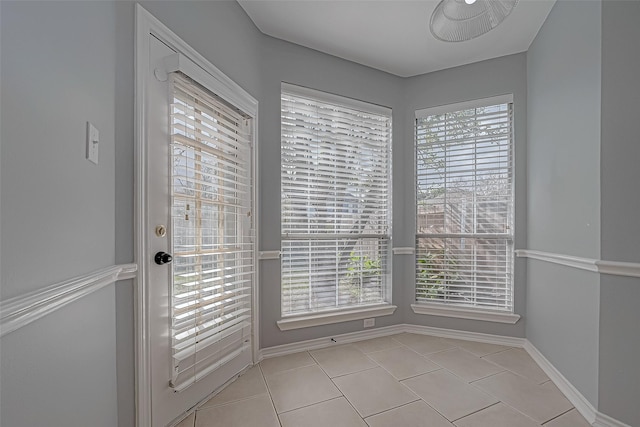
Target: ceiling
(391,35)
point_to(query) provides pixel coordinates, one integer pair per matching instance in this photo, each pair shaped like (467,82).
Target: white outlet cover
(369,322)
(93,139)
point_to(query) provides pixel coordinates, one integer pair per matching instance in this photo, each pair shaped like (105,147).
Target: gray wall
(58,209)
(563,161)
(283,61)
(474,81)
(620,152)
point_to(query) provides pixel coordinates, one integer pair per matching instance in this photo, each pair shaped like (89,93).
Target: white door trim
(146,26)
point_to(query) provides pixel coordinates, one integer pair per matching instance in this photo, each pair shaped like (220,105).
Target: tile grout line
(266,384)
(558,416)
(348,401)
(395,407)
(474,412)
(312,404)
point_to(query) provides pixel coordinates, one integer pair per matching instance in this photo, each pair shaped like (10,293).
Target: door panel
(199,182)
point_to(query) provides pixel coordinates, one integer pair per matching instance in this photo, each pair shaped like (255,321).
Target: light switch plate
(93,138)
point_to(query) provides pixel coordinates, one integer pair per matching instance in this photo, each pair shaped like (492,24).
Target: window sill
(465,313)
(327,318)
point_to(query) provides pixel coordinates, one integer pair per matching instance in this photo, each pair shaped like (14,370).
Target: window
(464,198)
(212,230)
(336,203)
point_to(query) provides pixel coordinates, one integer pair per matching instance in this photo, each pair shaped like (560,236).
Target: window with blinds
(336,202)
(212,232)
(464,197)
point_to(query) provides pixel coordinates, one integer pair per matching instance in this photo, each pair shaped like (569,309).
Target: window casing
(336,202)
(465,204)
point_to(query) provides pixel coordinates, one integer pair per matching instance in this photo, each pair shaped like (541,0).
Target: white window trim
(465,313)
(465,105)
(335,316)
(338,100)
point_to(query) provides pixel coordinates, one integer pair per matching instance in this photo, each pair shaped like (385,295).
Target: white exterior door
(200,266)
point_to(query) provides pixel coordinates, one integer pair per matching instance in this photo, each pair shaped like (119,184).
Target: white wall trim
(566,260)
(327,318)
(603,420)
(629,269)
(465,335)
(25,309)
(464,313)
(315,344)
(409,250)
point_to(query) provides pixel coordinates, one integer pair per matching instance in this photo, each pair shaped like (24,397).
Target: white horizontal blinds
(211,231)
(336,204)
(464,241)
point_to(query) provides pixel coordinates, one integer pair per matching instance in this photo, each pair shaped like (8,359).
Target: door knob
(163,258)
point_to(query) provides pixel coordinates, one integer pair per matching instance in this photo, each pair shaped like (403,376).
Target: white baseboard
(586,409)
(582,405)
(603,420)
(464,335)
(315,344)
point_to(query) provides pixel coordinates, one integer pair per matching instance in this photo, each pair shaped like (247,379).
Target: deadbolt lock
(161,230)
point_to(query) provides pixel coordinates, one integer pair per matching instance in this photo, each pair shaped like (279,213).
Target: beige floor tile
(499,415)
(416,414)
(477,348)
(332,413)
(448,394)
(377,344)
(251,383)
(570,419)
(300,387)
(424,344)
(342,360)
(539,402)
(189,421)
(403,362)
(284,363)
(254,412)
(464,364)
(518,361)
(373,391)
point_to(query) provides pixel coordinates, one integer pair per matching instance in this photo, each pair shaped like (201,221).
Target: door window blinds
(336,203)
(464,172)
(213,267)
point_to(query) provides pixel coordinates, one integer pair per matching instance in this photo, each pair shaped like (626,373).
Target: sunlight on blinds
(336,205)
(212,232)
(464,195)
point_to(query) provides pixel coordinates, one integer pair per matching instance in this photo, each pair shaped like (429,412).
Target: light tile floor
(405,380)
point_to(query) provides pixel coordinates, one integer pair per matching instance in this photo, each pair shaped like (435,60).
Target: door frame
(148,26)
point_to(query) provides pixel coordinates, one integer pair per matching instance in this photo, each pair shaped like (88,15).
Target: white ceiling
(391,35)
